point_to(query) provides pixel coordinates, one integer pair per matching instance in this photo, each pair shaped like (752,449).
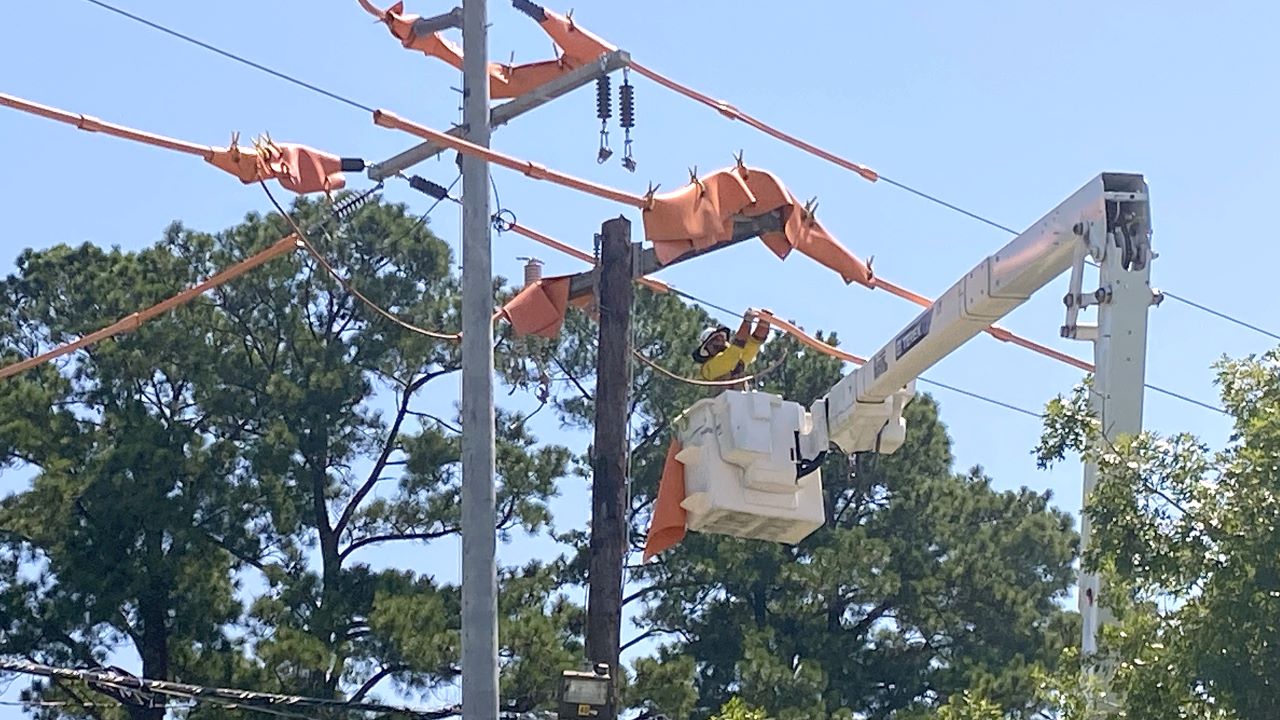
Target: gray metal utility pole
(479,540)
(609,471)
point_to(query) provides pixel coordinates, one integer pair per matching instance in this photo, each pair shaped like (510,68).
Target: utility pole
(609,466)
(479,540)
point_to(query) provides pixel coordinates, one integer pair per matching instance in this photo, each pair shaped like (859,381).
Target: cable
(1220,314)
(134,321)
(949,206)
(734,113)
(233,56)
(723,108)
(1184,398)
(542,173)
(996,331)
(346,285)
(246,699)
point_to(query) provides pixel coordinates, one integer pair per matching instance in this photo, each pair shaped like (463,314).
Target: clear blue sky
(1002,107)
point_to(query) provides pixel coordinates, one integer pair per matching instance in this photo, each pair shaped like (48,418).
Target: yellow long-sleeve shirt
(731,362)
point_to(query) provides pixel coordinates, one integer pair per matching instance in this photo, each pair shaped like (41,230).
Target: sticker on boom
(914,333)
(879,364)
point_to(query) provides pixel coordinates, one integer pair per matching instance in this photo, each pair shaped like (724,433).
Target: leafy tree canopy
(1187,540)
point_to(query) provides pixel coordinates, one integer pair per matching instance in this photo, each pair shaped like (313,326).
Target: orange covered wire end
(579,46)
(297,167)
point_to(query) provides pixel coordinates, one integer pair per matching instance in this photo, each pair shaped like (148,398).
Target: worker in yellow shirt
(721,358)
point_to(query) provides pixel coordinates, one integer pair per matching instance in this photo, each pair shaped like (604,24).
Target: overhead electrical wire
(346,284)
(540,172)
(1000,333)
(232,56)
(243,699)
(733,113)
(294,241)
(135,320)
(722,107)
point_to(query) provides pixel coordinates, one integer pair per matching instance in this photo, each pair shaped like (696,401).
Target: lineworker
(723,359)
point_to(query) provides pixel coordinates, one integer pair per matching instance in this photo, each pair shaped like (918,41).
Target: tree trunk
(153,616)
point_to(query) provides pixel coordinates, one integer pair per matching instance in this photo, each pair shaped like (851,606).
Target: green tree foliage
(242,447)
(1187,542)
(923,583)
(736,709)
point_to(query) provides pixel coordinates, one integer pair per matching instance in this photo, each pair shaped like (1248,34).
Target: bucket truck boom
(863,412)
(751,459)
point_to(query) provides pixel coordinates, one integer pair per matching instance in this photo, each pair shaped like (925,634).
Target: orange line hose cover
(700,216)
(694,218)
(298,168)
(134,321)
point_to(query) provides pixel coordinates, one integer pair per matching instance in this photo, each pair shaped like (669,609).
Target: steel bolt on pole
(479,540)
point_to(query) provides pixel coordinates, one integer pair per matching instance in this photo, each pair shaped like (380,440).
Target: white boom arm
(863,412)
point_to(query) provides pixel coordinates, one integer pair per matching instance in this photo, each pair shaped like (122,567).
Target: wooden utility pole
(609,468)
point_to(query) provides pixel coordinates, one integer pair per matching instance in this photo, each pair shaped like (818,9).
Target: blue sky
(1004,108)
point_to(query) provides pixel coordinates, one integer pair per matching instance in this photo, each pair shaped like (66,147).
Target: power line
(945,386)
(248,699)
(1184,398)
(240,59)
(895,183)
(969,393)
(945,204)
(1220,314)
(901,185)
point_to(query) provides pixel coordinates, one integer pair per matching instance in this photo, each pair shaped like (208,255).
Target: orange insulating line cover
(580,46)
(132,322)
(297,167)
(668,525)
(808,339)
(995,331)
(694,218)
(389,119)
(734,113)
(505,81)
(92,124)
(649,282)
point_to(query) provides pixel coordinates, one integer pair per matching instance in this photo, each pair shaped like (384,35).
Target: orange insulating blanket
(667,527)
(298,168)
(505,81)
(539,308)
(700,216)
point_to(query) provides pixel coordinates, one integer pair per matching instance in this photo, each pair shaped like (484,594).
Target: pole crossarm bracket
(502,114)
